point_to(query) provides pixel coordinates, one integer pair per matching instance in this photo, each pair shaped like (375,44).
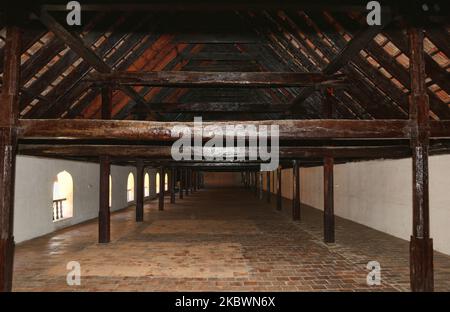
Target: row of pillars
(254,180)
(189,181)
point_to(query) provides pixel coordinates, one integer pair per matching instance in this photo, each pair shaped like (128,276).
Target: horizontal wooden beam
(214,107)
(215,79)
(164,152)
(162,131)
(342,6)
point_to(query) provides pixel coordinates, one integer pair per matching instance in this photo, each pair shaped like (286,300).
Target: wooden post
(9,107)
(296,191)
(269,194)
(194,180)
(104,214)
(161,189)
(173,180)
(186,180)
(182,182)
(421,245)
(279,198)
(328,211)
(104,209)
(255,181)
(260,185)
(139,191)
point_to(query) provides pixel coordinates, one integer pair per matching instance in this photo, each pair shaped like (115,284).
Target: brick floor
(218,239)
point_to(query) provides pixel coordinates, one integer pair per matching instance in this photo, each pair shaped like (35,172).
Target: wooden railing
(58,209)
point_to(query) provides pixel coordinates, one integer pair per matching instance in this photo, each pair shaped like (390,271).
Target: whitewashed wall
(34,187)
(379,194)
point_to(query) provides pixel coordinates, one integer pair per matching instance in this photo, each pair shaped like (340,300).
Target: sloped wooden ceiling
(53,84)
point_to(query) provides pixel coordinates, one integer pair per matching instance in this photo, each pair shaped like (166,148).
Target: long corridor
(214,240)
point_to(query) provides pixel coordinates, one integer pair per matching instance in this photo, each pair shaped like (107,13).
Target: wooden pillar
(421,245)
(173,180)
(140,191)
(8,145)
(182,182)
(104,219)
(255,183)
(279,198)
(186,180)
(269,194)
(260,185)
(194,180)
(296,191)
(104,214)
(328,200)
(161,189)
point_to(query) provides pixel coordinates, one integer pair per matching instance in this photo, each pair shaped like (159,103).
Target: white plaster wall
(379,194)
(34,187)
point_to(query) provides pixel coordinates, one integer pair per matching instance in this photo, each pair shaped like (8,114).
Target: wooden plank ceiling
(54,76)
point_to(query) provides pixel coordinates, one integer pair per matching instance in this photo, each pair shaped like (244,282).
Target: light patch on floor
(168,260)
(220,227)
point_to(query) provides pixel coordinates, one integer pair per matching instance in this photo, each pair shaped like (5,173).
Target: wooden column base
(279,200)
(328,228)
(421,264)
(104,227)
(6,263)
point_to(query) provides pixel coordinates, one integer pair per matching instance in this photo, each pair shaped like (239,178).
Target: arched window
(166,182)
(130,187)
(110,191)
(62,196)
(146,185)
(157,183)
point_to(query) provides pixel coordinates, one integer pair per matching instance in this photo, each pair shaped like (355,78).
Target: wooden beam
(161,131)
(208,6)
(9,107)
(421,245)
(140,190)
(356,44)
(296,191)
(279,197)
(212,107)
(215,79)
(328,212)
(84,51)
(268,193)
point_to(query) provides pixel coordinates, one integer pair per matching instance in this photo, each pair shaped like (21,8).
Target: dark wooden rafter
(135,43)
(69,100)
(356,44)
(77,44)
(59,66)
(398,71)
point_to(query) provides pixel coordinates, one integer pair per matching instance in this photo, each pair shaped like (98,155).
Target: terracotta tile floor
(218,239)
